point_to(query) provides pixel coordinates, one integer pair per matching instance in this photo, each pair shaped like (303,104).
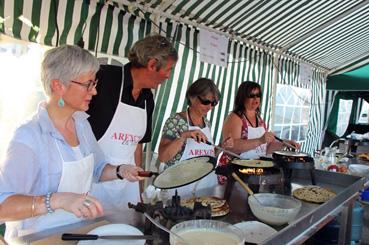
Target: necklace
(257,121)
(191,122)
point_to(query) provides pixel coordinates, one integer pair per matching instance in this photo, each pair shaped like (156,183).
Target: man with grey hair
(121,113)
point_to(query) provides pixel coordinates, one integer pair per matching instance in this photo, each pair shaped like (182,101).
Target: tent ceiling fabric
(329,34)
(112,28)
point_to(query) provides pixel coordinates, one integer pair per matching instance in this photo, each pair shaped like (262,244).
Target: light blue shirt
(33,163)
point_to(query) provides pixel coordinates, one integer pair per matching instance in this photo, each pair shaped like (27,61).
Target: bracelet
(118,173)
(33,207)
(47,203)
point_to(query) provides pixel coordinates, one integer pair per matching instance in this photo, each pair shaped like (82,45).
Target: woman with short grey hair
(54,65)
(53,159)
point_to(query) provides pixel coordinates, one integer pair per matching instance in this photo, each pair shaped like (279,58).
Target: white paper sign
(306,74)
(213,48)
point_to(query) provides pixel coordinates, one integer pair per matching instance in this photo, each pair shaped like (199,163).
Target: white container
(275,209)
(359,170)
(204,232)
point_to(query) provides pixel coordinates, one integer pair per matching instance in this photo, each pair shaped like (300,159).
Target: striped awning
(256,30)
(329,34)
(103,27)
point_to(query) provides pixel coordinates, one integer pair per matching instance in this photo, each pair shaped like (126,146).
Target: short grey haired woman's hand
(81,205)
(130,172)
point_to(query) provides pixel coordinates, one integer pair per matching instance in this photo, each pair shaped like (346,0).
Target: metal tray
(311,217)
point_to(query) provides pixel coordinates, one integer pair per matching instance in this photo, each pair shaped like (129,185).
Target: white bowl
(359,169)
(203,231)
(275,209)
(255,231)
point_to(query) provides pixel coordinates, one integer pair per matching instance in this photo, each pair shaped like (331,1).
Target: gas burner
(293,160)
(260,176)
(262,179)
(169,216)
(250,171)
(259,179)
(275,179)
(253,171)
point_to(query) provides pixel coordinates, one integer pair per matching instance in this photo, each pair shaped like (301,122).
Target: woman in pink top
(245,125)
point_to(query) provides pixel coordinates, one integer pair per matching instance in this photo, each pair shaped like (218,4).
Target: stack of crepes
(219,207)
(363,156)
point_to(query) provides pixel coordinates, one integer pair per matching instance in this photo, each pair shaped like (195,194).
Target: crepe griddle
(253,163)
(185,172)
(293,160)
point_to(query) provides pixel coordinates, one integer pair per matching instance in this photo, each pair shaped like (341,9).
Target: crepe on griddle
(290,153)
(184,173)
(253,163)
(315,194)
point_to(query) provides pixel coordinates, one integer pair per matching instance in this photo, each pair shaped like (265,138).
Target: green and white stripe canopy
(267,42)
(329,34)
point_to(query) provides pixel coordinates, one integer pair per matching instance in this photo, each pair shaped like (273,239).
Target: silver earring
(61,102)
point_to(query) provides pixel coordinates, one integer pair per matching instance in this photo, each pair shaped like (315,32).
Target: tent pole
(148,153)
(274,87)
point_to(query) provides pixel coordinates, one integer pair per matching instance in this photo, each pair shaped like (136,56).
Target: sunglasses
(163,43)
(254,96)
(89,84)
(207,102)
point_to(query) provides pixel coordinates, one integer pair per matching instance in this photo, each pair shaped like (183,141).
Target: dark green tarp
(352,85)
(355,80)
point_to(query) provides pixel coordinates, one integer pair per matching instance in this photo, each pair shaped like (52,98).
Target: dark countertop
(309,218)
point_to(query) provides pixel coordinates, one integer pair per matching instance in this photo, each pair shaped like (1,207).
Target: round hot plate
(185,172)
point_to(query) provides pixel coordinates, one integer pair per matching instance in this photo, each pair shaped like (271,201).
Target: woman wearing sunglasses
(245,125)
(185,133)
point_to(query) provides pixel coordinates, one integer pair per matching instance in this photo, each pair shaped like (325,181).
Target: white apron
(119,143)
(194,149)
(77,178)
(254,133)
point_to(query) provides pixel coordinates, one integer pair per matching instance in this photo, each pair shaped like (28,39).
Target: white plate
(114,229)
(255,231)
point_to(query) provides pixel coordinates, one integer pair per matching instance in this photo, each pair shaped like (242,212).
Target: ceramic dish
(114,229)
